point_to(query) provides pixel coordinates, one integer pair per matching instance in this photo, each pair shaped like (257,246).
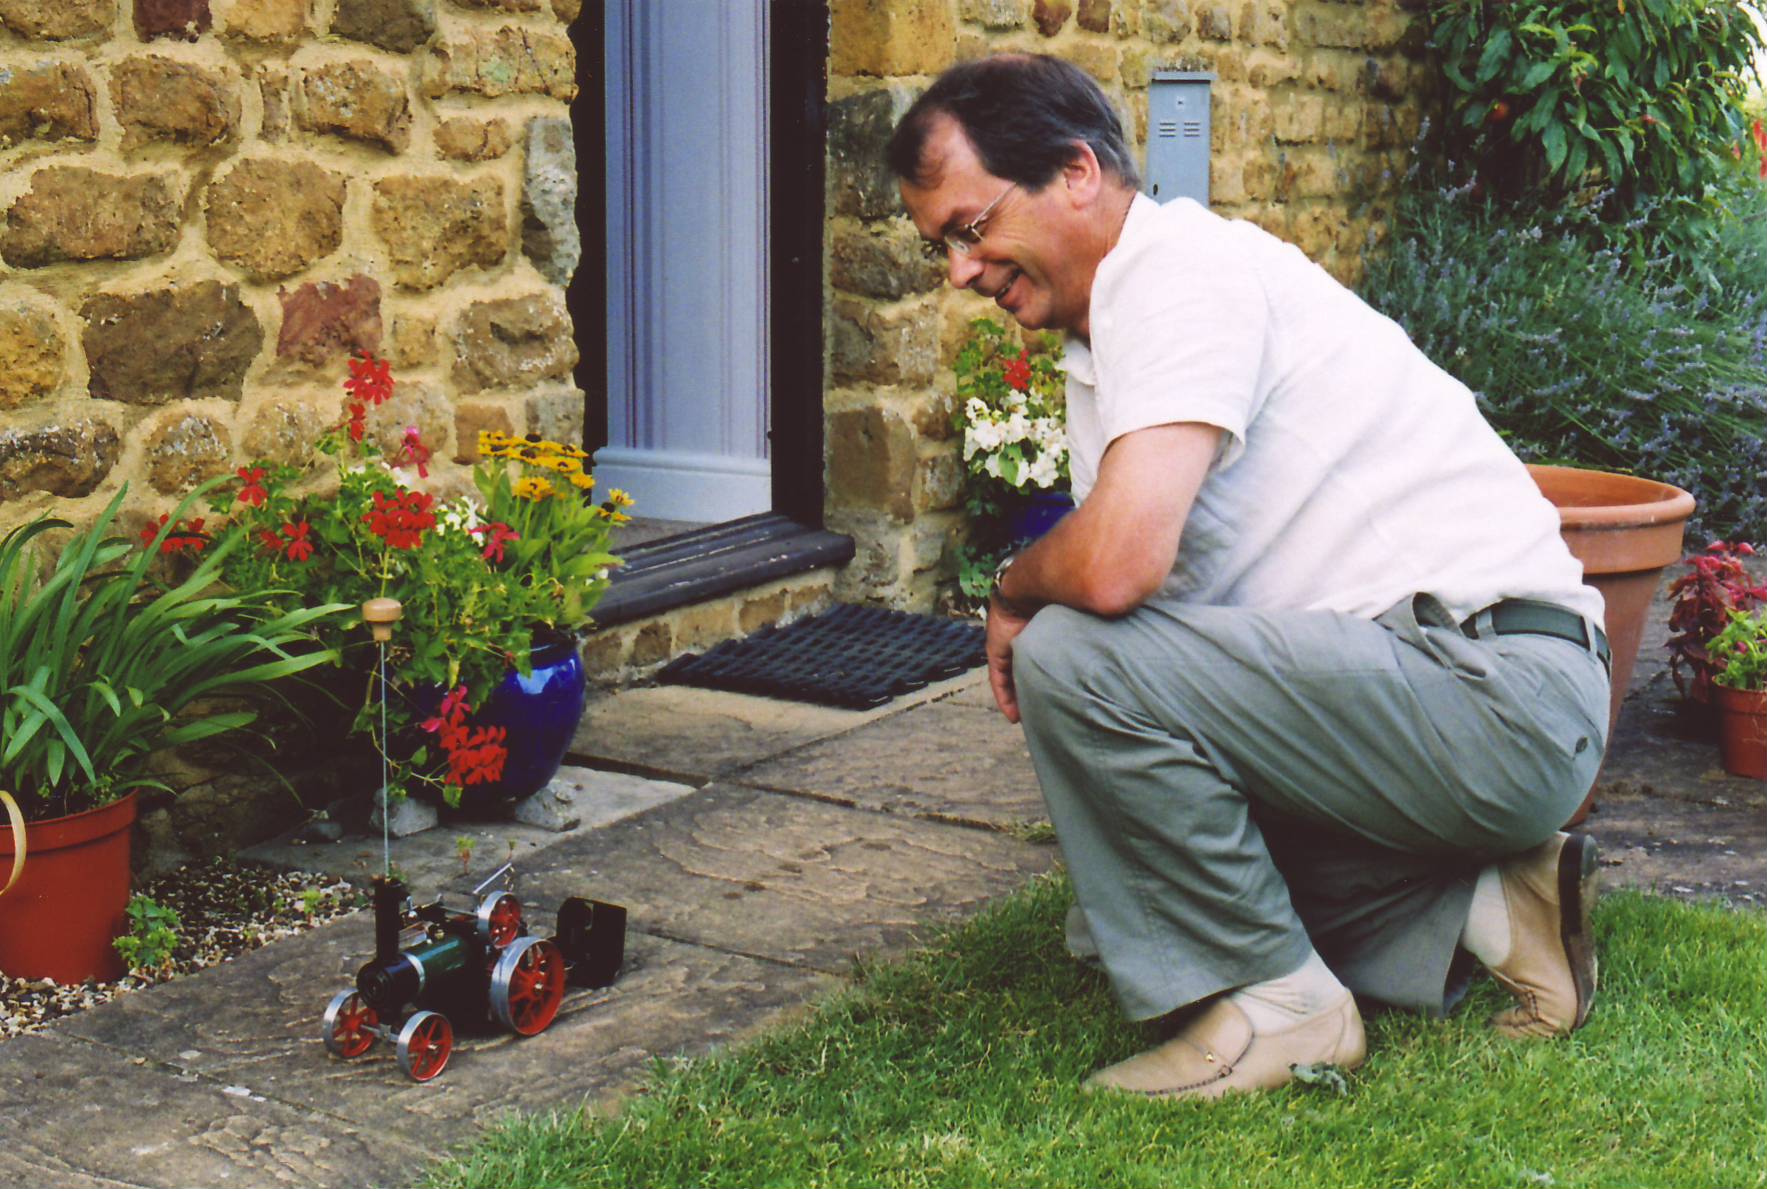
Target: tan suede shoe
(1551,965)
(1218,1053)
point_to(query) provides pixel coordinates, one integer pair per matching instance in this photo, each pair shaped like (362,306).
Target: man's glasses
(962,239)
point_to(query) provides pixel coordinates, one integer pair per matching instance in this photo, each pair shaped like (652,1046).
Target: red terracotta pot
(1625,530)
(71,899)
(1742,730)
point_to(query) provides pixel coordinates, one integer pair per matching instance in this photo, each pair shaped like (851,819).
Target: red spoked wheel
(349,1025)
(500,919)
(527,985)
(425,1043)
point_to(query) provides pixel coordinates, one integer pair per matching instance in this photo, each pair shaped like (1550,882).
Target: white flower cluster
(458,516)
(1015,446)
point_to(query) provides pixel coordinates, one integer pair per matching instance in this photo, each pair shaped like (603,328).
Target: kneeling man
(1309,677)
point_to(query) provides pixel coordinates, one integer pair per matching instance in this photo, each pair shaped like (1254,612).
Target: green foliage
(1576,358)
(1621,100)
(962,1066)
(103,663)
(152,935)
(1741,648)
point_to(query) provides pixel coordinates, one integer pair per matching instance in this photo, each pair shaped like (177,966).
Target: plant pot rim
(1747,701)
(52,833)
(1593,499)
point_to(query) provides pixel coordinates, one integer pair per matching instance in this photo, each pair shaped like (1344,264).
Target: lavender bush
(1582,358)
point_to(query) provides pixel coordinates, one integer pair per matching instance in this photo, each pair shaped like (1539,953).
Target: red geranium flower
(500,534)
(299,548)
(1018,372)
(400,521)
(251,489)
(371,379)
(415,453)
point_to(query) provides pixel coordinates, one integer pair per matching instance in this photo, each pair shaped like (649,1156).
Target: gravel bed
(224,908)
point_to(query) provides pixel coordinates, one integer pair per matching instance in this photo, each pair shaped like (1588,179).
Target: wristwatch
(1000,596)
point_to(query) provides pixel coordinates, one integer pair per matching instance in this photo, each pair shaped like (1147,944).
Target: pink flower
(500,534)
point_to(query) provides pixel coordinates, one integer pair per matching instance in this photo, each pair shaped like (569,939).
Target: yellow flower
(618,498)
(534,488)
(582,482)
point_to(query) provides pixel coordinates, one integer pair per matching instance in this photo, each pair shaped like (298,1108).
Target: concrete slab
(78,1115)
(432,860)
(946,760)
(789,878)
(683,733)
(1682,849)
(255,1023)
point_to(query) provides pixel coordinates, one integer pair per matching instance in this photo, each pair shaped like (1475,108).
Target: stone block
(939,483)
(186,20)
(68,459)
(435,226)
(567,10)
(557,415)
(1343,121)
(504,5)
(398,26)
(170,344)
(186,450)
(273,91)
(1135,67)
(1265,23)
(1050,16)
(33,355)
(1097,58)
(405,816)
(931,415)
(413,340)
(513,342)
(267,21)
(161,99)
(1094,16)
(73,213)
(283,430)
(705,625)
(872,461)
(883,345)
(997,15)
(653,645)
(890,37)
(324,323)
(549,200)
(1387,80)
(411,404)
(555,807)
(604,652)
(466,139)
(1358,27)
(859,127)
(273,218)
(1266,70)
(58,20)
(1214,22)
(48,102)
(757,612)
(357,100)
(1299,119)
(512,60)
(1167,20)
(882,260)
(472,418)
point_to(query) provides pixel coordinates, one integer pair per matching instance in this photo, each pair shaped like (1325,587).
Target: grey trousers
(1230,786)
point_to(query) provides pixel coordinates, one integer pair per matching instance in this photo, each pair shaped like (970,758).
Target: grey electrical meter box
(1178,136)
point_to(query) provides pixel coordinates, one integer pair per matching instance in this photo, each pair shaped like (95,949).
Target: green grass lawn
(961,1066)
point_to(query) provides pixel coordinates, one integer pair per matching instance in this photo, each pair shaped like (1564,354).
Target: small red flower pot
(1742,730)
(71,899)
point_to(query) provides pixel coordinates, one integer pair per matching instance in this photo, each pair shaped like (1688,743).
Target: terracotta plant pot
(72,898)
(1626,531)
(1742,730)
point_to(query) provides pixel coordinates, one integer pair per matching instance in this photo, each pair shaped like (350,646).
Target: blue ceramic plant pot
(540,712)
(1037,515)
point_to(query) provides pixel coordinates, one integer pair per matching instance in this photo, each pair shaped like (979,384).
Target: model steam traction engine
(432,965)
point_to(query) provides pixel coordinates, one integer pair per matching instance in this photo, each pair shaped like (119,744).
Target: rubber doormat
(854,657)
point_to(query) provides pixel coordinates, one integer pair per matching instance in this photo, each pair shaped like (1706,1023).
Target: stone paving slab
(946,760)
(255,1023)
(1682,849)
(75,1115)
(431,860)
(789,878)
(694,734)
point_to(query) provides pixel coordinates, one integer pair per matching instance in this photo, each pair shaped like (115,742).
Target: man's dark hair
(1023,113)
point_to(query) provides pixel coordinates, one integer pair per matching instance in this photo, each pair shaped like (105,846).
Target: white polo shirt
(1353,471)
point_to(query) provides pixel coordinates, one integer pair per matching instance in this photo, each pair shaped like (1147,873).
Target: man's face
(1024,260)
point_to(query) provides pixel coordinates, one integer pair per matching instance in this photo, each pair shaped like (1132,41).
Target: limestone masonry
(207,205)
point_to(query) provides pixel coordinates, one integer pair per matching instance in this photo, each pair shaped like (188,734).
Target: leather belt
(1530,617)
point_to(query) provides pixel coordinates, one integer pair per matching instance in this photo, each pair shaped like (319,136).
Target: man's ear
(1083,175)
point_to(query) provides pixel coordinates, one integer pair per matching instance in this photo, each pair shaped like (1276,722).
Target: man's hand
(1005,622)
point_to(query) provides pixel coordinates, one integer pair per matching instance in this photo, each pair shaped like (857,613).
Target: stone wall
(1315,105)
(209,204)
